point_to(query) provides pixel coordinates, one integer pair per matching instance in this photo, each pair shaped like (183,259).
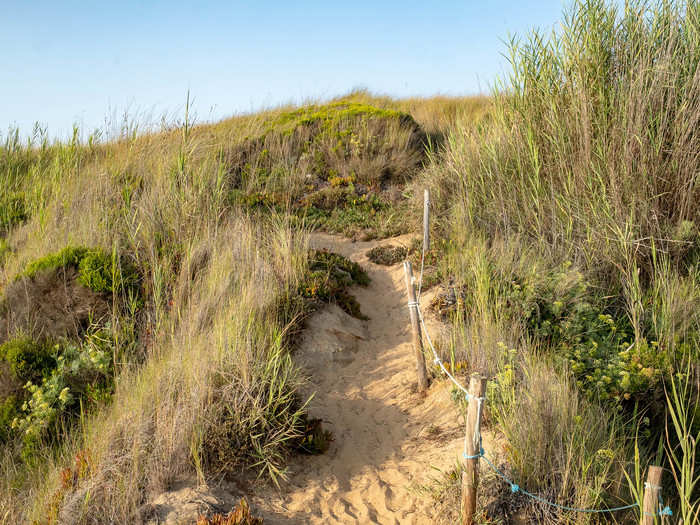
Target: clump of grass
(580,186)
(13,211)
(573,162)
(682,430)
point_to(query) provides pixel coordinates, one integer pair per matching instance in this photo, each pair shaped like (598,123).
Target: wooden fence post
(470,476)
(415,328)
(652,488)
(426,220)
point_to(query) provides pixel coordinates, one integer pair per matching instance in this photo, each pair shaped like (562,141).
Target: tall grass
(585,172)
(210,386)
(204,385)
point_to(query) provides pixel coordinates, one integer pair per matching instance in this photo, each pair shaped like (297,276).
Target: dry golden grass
(209,386)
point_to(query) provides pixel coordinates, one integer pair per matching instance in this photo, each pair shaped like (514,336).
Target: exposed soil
(49,305)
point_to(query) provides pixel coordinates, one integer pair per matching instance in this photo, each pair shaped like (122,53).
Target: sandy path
(387,437)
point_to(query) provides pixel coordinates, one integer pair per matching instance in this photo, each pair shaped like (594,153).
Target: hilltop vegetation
(179,269)
(566,232)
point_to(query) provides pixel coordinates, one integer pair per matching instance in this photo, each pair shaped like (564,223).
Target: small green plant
(387,255)
(328,278)
(314,438)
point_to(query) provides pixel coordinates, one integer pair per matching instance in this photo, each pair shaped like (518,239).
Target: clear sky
(65,62)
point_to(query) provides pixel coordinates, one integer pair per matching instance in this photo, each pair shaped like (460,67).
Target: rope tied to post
(663,510)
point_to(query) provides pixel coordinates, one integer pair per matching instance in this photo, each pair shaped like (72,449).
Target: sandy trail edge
(388,439)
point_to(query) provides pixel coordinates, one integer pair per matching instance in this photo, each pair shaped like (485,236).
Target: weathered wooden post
(421,370)
(652,488)
(426,221)
(470,476)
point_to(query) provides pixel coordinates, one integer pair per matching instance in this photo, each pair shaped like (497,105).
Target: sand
(389,440)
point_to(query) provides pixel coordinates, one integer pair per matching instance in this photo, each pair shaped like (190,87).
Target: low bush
(329,275)
(28,360)
(82,377)
(98,270)
(387,255)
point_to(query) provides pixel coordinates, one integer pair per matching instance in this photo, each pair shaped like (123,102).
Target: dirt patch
(51,304)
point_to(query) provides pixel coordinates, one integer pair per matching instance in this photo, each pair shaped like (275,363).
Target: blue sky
(82,62)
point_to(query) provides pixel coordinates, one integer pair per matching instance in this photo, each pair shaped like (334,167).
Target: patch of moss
(98,270)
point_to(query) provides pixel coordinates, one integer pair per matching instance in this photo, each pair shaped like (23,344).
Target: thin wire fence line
(515,488)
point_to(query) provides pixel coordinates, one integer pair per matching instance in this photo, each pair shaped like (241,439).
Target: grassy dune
(566,226)
(189,371)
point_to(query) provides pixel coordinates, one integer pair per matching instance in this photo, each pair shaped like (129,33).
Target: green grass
(573,241)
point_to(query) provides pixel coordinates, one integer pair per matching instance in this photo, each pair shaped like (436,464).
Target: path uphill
(388,440)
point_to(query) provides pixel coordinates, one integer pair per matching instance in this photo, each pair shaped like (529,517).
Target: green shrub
(82,376)
(69,256)
(97,270)
(29,360)
(591,333)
